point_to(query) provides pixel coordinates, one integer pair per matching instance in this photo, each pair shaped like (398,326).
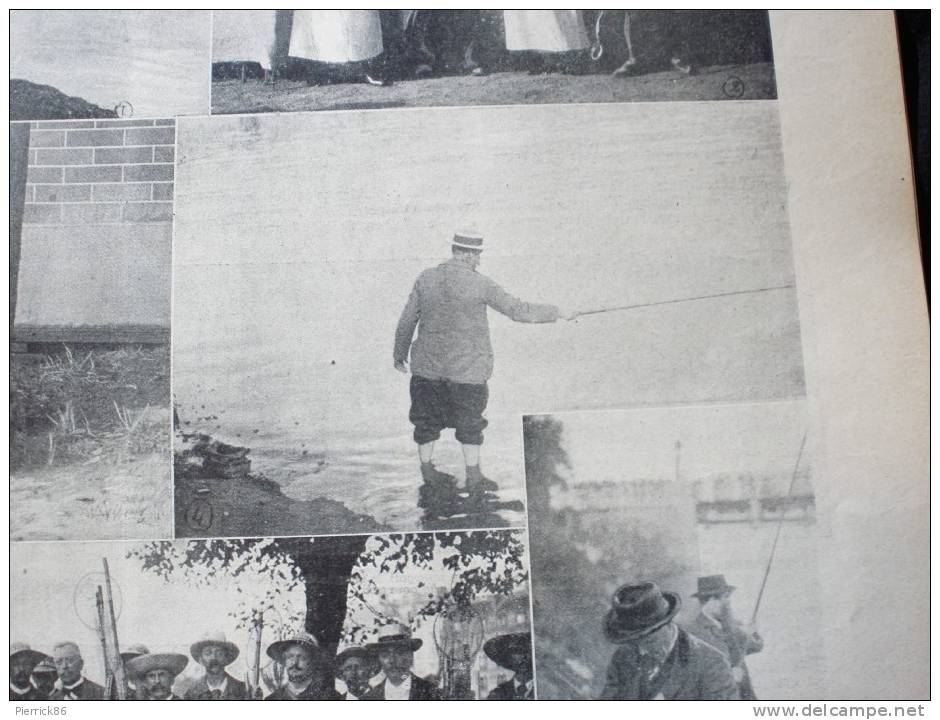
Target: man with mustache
(215,653)
(23,660)
(154,674)
(355,666)
(72,685)
(307,669)
(396,653)
(656,659)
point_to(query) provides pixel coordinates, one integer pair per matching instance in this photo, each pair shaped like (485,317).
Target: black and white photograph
(90,244)
(296,60)
(414,617)
(341,306)
(474,354)
(673,554)
(83,64)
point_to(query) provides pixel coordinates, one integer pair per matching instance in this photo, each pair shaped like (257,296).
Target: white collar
(20,691)
(221,686)
(517,683)
(298,690)
(400,691)
(72,686)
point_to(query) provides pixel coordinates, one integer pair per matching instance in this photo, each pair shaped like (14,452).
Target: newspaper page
(465,355)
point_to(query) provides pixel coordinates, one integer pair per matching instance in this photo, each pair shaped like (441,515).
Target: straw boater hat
(134,651)
(20,650)
(399,636)
(218,640)
(499,648)
(277,649)
(638,610)
(711,586)
(45,667)
(351,652)
(468,240)
(143,664)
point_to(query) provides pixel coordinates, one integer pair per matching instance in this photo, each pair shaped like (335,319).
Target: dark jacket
(448,305)
(694,670)
(86,690)
(234,690)
(31,694)
(421,689)
(507,691)
(313,692)
(734,642)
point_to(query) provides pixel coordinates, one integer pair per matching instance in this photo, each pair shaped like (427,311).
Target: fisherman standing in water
(452,358)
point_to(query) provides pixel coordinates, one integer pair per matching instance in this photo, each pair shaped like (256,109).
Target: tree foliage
(476,563)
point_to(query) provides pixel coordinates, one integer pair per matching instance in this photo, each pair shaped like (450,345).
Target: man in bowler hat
(452,357)
(513,652)
(396,653)
(154,674)
(656,659)
(305,664)
(23,661)
(716,625)
(215,653)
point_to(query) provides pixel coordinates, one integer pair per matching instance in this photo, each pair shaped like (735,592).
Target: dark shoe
(432,476)
(477,481)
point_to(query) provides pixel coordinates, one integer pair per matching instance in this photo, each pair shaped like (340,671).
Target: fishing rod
(99,626)
(773,548)
(120,677)
(618,308)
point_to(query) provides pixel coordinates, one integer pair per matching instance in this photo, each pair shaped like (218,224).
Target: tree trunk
(326,565)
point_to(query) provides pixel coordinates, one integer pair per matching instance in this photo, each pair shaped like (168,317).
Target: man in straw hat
(307,668)
(215,653)
(355,666)
(513,652)
(133,692)
(23,660)
(396,653)
(716,625)
(656,659)
(154,674)
(72,684)
(452,357)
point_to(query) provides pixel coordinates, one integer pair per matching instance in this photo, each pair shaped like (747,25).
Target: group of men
(382,670)
(380,46)
(656,659)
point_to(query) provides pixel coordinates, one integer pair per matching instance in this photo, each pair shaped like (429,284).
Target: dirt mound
(29,101)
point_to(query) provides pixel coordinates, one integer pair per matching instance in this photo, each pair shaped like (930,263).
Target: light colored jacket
(448,306)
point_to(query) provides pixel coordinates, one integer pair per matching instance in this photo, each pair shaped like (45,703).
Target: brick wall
(100,171)
(97,229)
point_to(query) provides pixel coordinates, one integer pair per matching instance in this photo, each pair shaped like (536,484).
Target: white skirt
(545,30)
(336,36)
(243,36)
